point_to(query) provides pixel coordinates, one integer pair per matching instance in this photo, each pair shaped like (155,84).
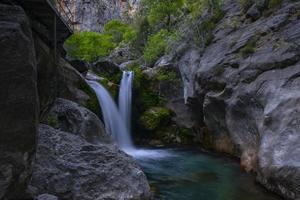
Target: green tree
(162,11)
(89,46)
(120,31)
(156,46)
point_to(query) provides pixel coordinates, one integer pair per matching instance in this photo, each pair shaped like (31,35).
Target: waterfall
(113,120)
(117,121)
(125,97)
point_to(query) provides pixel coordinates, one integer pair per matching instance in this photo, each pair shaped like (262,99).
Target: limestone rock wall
(19,105)
(37,90)
(245,84)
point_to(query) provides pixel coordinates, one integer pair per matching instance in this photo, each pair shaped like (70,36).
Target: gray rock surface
(76,169)
(79,65)
(246,84)
(18,101)
(91,15)
(46,197)
(70,117)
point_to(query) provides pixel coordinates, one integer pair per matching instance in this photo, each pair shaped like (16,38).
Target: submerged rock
(76,169)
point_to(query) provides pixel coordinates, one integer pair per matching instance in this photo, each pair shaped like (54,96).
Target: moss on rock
(155,117)
(92,103)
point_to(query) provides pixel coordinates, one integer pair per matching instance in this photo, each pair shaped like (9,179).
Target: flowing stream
(176,174)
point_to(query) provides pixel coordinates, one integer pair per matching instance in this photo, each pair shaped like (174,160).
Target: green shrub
(52,121)
(249,48)
(120,31)
(162,11)
(246,3)
(166,75)
(89,46)
(139,77)
(155,117)
(274,3)
(92,103)
(156,46)
(196,7)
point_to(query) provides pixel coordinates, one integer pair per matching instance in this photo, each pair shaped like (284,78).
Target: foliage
(139,77)
(166,75)
(246,3)
(119,31)
(155,117)
(204,29)
(274,3)
(89,46)
(156,45)
(52,121)
(92,103)
(162,11)
(249,48)
(197,7)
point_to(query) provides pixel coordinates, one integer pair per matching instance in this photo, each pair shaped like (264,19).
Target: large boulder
(76,169)
(18,101)
(247,88)
(71,117)
(73,86)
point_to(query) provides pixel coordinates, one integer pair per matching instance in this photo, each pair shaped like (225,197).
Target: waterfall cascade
(125,97)
(115,122)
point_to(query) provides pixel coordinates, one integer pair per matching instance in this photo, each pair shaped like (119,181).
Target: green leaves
(162,11)
(119,31)
(89,46)
(156,45)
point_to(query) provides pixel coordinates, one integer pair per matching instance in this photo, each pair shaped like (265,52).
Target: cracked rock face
(250,98)
(91,15)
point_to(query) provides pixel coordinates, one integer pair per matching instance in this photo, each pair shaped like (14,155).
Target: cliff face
(49,125)
(91,15)
(245,88)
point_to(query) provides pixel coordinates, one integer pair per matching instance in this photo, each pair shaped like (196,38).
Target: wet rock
(18,101)
(76,169)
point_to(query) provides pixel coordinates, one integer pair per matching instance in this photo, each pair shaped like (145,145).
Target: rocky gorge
(228,83)
(50,126)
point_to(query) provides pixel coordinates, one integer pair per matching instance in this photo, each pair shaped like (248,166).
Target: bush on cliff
(120,31)
(162,11)
(89,46)
(155,117)
(157,45)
